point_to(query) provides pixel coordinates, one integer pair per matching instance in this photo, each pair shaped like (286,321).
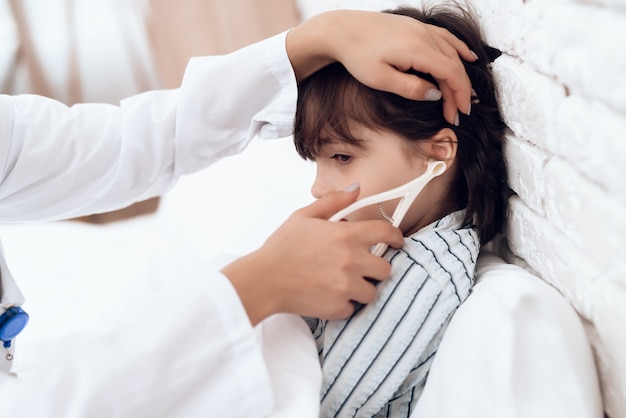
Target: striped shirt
(375,363)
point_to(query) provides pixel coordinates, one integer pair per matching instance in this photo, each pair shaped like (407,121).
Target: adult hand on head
(378,48)
(313,267)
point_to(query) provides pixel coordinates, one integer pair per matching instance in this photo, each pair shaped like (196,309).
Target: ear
(443,145)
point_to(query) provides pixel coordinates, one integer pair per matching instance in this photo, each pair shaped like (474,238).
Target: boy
(375,363)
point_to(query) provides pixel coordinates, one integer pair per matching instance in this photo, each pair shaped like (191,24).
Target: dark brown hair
(331,99)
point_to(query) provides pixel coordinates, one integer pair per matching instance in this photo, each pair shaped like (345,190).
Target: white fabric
(60,162)
(515,348)
(10,295)
(291,358)
(185,346)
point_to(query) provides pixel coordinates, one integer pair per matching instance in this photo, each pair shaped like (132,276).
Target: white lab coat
(58,162)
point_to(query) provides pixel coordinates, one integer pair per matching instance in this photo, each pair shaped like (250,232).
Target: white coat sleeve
(59,162)
(178,351)
(186,349)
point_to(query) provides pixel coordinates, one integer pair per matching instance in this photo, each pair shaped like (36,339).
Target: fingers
(416,88)
(364,292)
(379,55)
(329,204)
(450,74)
(373,232)
(428,49)
(443,62)
(408,86)
(438,52)
(358,288)
(450,104)
(313,267)
(460,47)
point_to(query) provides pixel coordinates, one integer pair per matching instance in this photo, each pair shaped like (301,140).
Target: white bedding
(515,348)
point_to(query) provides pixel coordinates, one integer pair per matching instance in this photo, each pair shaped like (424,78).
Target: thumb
(409,86)
(331,203)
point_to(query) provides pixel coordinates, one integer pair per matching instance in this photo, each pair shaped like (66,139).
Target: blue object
(12,322)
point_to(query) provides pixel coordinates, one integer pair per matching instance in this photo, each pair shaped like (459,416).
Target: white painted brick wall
(525,161)
(562,85)
(603,159)
(527,95)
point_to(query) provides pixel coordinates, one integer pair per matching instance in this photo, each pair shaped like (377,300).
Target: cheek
(364,214)
(372,212)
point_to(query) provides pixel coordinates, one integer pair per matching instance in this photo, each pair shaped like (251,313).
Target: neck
(431,209)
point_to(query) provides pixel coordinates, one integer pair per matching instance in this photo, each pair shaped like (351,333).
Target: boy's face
(382,162)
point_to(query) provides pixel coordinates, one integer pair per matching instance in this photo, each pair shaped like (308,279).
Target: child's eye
(341,158)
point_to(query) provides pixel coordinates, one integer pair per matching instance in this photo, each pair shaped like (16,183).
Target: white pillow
(515,348)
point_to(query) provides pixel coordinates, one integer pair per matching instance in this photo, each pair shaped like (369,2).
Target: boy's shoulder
(451,221)
(451,230)
(445,251)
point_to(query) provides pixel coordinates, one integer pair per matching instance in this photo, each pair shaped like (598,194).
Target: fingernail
(474,93)
(432,95)
(456,119)
(353,186)
(474,54)
(469,109)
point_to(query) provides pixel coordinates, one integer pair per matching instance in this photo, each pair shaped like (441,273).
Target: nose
(320,187)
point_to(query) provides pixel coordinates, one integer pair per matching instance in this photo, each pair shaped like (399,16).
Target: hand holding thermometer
(407,194)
